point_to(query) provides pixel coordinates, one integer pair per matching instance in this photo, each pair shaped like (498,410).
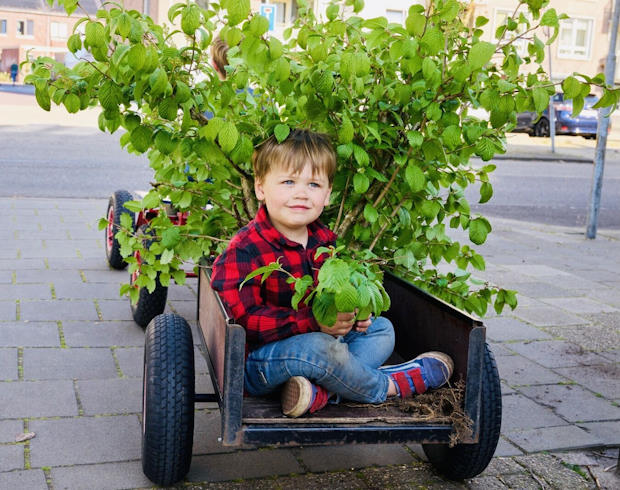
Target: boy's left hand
(362,325)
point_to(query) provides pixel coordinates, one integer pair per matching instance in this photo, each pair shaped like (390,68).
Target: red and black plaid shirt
(265,309)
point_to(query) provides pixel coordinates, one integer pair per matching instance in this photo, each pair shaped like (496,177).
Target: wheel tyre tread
(117,203)
(468,460)
(149,305)
(168,401)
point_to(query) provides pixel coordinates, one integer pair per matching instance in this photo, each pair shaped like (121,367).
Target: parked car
(584,124)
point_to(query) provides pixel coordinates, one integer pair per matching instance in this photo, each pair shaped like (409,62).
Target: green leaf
(434,40)
(332,11)
(72,103)
(346,132)
(136,56)
(123,25)
(486,192)
(541,99)
(415,138)
(158,81)
(360,183)
(141,138)
(95,34)
(228,136)
(166,256)
(370,213)
(415,177)
(74,43)
(480,54)
(571,87)
(171,237)
(324,309)
(360,156)
(346,299)
(334,273)
(190,19)
(281,132)
(479,228)
(238,10)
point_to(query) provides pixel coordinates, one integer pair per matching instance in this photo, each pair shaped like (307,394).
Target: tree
(395,100)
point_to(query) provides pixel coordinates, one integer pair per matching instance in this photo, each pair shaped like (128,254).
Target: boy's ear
(258,190)
(329,193)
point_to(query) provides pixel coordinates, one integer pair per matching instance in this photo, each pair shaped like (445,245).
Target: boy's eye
(315,184)
(289,181)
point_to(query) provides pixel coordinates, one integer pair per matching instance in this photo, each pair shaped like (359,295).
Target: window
(575,38)
(25,27)
(280,12)
(396,16)
(58,30)
(2,26)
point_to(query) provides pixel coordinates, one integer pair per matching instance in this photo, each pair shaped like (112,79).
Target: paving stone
(503,466)
(522,482)
(553,438)
(505,389)
(342,481)
(73,363)
(107,476)
(46,276)
(19,264)
(485,483)
(592,337)
(102,334)
(573,403)
(407,476)
(182,293)
(556,353)
(607,432)
(37,399)
(544,316)
(33,252)
(519,412)
(59,309)
(111,396)
(83,263)
(500,349)
(6,277)
(506,328)
(25,291)
(187,309)
(9,429)
(8,311)
(85,440)
(11,457)
(613,355)
(243,464)
(118,309)
(111,275)
(207,430)
(131,360)
(8,363)
(551,470)
(537,270)
(611,320)
(331,458)
(611,296)
(30,480)
(580,306)
(517,370)
(540,290)
(47,234)
(73,290)
(603,379)
(29,334)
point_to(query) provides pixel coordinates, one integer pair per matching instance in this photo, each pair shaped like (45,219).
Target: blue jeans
(346,365)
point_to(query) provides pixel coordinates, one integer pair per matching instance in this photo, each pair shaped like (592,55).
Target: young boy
(289,349)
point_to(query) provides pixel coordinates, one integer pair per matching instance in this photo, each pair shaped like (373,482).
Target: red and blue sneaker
(300,396)
(427,371)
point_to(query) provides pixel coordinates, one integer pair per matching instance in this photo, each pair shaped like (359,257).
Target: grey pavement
(71,367)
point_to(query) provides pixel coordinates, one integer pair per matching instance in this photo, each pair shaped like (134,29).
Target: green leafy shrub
(395,99)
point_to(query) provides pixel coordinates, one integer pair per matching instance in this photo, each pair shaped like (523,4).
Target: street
(51,161)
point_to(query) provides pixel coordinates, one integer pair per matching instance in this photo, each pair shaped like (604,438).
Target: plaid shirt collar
(271,235)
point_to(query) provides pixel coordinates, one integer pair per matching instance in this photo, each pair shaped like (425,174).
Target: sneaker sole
(296,396)
(441,357)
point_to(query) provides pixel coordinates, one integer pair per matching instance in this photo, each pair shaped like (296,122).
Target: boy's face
(293,200)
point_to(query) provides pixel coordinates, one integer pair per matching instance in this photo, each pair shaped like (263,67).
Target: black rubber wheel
(149,305)
(468,460)
(167,400)
(542,128)
(116,207)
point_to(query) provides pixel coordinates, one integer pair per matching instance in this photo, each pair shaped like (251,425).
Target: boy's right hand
(343,325)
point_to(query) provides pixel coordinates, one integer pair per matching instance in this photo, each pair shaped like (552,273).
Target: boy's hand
(343,325)
(362,325)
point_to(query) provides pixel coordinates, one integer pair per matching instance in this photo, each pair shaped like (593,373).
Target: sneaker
(427,371)
(300,396)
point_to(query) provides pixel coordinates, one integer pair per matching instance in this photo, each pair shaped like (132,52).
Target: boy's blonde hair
(219,54)
(301,147)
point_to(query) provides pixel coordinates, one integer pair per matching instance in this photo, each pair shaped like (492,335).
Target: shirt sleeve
(263,323)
